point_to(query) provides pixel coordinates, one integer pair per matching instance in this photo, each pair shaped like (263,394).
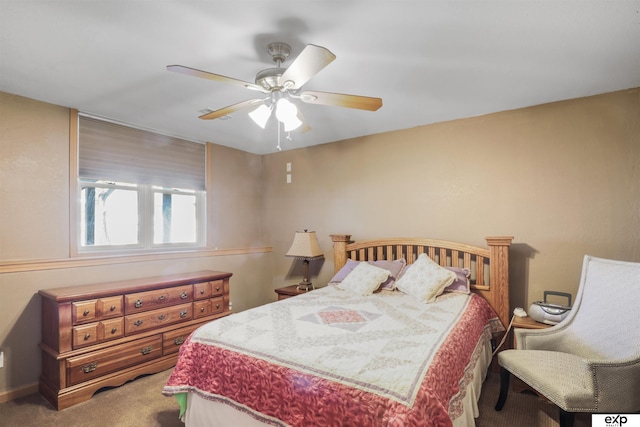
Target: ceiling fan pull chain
(279,123)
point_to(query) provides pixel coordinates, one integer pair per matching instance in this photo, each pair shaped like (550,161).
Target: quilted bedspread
(332,358)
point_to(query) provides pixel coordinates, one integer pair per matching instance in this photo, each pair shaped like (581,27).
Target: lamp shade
(287,113)
(305,245)
(260,115)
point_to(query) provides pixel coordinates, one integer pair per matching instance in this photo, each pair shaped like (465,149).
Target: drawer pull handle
(86,313)
(162,298)
(138,303)
(201,309)
(114,330)
(161,317)
(201,291)
(138,322)
(87,336)
(178,341)
(146,350)
(217,288)
(183,295)
(183,314)
(217,305)
(90,367)
(112,308)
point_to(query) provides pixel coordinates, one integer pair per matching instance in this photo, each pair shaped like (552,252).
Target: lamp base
(305,286)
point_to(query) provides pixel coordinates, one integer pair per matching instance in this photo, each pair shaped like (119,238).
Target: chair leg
(566,418)
(504,388)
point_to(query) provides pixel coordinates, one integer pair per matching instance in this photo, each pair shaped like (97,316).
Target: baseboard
(6,396)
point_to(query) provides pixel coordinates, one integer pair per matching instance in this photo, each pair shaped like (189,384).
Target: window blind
(113,152)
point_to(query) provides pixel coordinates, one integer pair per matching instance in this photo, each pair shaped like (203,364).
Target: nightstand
(289,291)
(528,323)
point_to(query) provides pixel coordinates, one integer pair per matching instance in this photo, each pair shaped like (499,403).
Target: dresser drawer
(151,300)
(111,329)
(94,333)
(202,290)
(206,290)
(85,335)
(98,363)
(217,287)
(84,311)
(141,322)
(208,307)
(97,309)
(110,307)
(171,341)
(201,308)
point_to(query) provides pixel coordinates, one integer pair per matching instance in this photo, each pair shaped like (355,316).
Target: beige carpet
(139,403)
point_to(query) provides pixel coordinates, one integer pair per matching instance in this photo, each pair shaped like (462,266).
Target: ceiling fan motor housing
(279,51)
(270,78)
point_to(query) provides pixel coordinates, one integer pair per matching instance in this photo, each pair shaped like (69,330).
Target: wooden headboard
(489,266)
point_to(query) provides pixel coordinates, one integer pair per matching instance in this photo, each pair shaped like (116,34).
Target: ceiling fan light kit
(287,114)
(261,115)
(283,85)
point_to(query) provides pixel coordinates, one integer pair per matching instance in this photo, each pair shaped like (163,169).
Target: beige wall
(34,179)
(34,232)
(562,178)
(236,194)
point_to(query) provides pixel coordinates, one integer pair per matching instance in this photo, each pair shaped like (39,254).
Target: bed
(352,354)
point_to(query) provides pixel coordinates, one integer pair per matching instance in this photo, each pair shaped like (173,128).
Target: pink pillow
(346,269)
(395,267)
(461,282)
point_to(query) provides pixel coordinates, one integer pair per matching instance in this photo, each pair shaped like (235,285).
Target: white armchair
(590,362)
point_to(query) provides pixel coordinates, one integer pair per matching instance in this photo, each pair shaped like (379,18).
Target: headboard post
(499,249)
(340,250)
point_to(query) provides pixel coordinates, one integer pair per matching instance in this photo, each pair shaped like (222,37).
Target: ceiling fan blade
(311,60)
(304,127)
(251,103)
(341,100)
(217,77)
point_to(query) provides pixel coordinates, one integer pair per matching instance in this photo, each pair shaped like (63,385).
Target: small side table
(528,323)
(289,291)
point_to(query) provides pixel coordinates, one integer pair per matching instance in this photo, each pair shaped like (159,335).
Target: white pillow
(425,279)
(364,279)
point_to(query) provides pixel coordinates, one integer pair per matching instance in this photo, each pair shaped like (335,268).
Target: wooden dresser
(105,334)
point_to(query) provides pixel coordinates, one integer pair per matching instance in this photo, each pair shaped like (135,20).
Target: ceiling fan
(282,86)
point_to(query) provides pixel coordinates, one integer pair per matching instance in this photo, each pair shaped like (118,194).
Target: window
(174,214)
(109,214)
(138,190)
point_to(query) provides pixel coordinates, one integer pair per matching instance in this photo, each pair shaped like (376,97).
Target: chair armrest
(617,384)
(538,339)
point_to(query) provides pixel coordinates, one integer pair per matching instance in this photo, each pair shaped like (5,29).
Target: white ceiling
(430,61)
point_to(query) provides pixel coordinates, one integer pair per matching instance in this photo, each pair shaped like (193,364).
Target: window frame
(108,248)
(146,193)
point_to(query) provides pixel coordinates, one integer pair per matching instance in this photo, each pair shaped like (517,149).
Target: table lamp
(305,246)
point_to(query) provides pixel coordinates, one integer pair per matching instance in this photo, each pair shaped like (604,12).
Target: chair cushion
(563,378)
